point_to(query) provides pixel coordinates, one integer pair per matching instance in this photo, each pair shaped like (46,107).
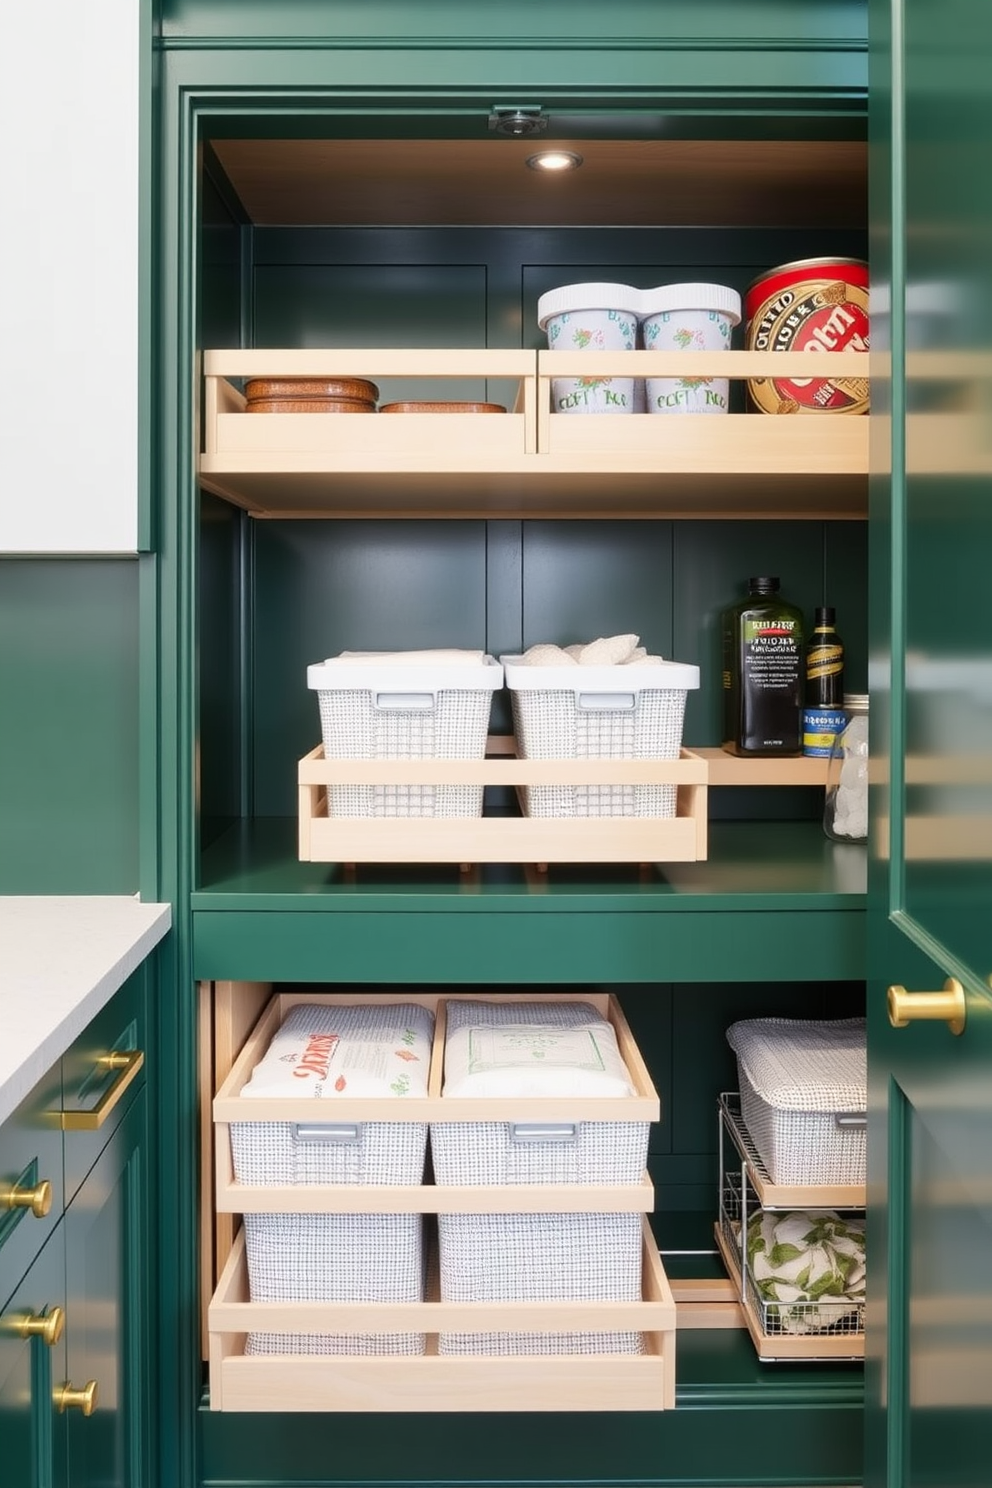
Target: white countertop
(61,961)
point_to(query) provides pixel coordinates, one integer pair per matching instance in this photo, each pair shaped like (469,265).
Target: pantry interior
(434,235)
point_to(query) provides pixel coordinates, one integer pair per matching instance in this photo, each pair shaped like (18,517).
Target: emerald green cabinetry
(929,1417)
(774,920)
(75,1318)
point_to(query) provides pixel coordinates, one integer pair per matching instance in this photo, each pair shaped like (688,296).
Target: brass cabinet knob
(66,1398)
(47,1326)
(947,1006)
(37,1199)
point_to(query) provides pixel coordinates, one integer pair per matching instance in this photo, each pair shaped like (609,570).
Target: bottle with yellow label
(823,713)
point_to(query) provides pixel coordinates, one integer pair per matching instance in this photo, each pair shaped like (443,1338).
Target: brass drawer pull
(128,1062)
(947,1006)
(47,1326)
(37,1199)
(66,1398)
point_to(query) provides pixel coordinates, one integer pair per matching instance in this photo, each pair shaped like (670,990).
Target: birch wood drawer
(429,1381)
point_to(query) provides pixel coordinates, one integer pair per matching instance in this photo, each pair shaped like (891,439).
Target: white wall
(69,277)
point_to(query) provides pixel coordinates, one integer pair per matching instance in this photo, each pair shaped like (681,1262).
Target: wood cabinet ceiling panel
(637,183)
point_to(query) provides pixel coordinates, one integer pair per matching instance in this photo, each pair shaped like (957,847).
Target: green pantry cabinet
(306,157)
(75,1263)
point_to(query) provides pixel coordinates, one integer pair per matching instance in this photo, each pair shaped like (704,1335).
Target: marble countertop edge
(62,958)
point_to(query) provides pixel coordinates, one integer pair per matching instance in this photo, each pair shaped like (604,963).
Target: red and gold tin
(815,304)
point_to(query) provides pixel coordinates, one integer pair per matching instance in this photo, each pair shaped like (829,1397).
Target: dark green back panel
(310,589)
(324,587)
(68,726)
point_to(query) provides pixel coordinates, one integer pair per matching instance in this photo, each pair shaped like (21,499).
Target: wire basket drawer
(803,1087)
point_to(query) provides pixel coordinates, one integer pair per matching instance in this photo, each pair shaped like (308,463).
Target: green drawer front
(30,1154)
(99,1079)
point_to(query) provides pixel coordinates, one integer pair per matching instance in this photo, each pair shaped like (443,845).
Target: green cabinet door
(32,1366)
(107,1339)
(930,1161)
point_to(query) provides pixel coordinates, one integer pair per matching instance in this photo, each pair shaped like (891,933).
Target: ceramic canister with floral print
(688,317)
(591,317)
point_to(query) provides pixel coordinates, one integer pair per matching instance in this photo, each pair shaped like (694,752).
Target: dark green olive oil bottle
(763,673)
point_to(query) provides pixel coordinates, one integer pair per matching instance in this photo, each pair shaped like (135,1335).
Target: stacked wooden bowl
(310,395)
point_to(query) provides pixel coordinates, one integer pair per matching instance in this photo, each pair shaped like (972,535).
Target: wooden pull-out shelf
(503,839)
(434,1382)
(229,1106)
(529,461)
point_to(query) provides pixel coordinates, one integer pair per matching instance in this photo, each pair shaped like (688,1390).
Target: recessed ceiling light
(555,160)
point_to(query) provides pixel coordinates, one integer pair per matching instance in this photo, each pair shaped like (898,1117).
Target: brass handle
(128,1062)
(37,1199)
(66,1398)
(947,1006)
(47,1326)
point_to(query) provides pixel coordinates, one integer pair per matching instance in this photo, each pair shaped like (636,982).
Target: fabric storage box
(803,1086)
(522,1049)
(599,712)
(474,1152)
(335,1258)
(540,1258)
(327,1053)
(405,705)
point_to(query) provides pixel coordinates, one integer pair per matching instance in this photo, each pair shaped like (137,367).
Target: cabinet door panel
(930,1160)
(32,1433)
(106,1281)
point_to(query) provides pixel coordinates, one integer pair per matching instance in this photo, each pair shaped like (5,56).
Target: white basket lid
(668,297)
(797,1064)
(569,297)
(393,675)
(604,680)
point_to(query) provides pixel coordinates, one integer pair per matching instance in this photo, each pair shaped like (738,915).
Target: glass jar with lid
(845,811)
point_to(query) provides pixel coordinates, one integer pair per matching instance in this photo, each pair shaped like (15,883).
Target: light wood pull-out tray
(434,1382)
(229,1106)
(527,462)
(503,839)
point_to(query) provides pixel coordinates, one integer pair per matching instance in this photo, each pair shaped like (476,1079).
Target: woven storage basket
(537,1257)
(387,710)
(540,1258)
(803,1087)
(599,712)
(473,1152)
(336,1257)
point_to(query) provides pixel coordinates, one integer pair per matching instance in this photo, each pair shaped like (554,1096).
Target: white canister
(688,317)
(591,317)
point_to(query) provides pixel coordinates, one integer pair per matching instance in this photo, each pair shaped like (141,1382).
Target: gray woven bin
(335,1258)
(378,711)
(803,1087)
(473,1152)
(540,1258)
(599,712)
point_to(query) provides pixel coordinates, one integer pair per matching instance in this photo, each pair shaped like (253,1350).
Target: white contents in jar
(850,801)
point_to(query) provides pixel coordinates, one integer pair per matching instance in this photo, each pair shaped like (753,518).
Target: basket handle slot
(849,1118)
(390,702)
(339,1132)
(606,702)
(544,1131)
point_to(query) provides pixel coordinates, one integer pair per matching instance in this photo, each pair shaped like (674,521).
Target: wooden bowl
(350,389)
(308,405)
(414,407)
